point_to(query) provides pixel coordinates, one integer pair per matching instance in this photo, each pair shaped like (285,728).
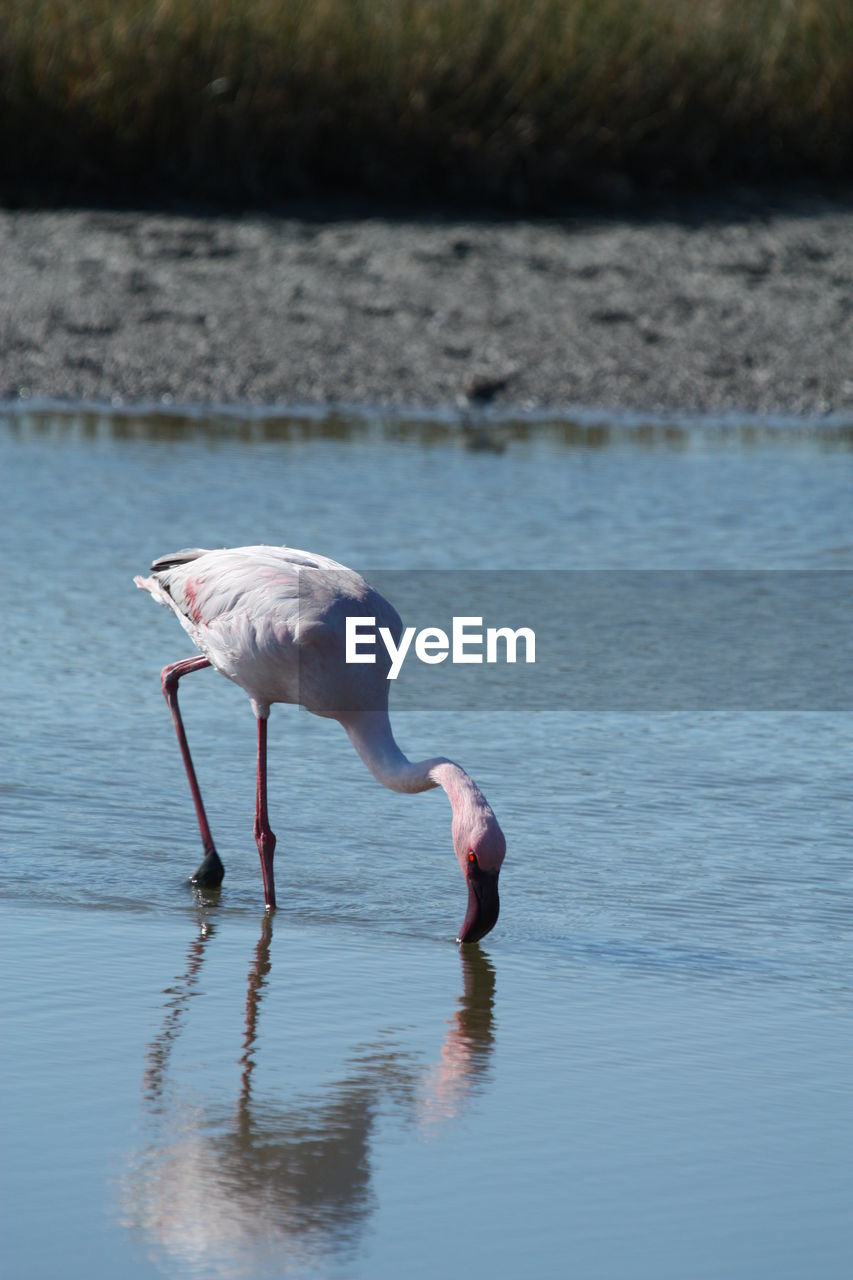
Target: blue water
(644,1070)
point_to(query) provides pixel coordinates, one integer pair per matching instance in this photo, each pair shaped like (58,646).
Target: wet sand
(702,310)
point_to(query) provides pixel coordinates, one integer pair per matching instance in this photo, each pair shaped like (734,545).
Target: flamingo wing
(256,612)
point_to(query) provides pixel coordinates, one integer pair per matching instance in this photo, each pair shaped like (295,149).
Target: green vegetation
(512,100)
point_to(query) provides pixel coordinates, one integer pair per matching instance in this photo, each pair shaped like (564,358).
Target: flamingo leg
(211,871)
(263,833)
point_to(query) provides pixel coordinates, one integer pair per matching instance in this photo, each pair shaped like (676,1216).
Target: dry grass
(516,100)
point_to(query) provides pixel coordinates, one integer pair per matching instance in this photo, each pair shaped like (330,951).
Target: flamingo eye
(471,857)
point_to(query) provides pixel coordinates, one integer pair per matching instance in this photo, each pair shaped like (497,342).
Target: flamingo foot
(266,848)
(210,872)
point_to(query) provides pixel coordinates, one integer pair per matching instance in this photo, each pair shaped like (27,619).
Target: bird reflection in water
(278,1187)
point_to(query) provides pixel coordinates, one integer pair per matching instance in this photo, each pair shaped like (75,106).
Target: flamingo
(273,620)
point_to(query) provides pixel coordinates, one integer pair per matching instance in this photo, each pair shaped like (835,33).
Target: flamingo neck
(371,735)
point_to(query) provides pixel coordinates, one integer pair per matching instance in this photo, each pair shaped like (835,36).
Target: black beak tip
(483,906)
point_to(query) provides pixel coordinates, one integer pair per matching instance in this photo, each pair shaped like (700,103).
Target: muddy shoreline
(747,309)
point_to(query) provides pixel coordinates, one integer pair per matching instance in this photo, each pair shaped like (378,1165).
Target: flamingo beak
(483,904)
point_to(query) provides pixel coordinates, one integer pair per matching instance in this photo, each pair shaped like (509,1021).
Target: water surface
(644,1070)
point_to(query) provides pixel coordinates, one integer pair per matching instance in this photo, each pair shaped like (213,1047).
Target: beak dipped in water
(483,904)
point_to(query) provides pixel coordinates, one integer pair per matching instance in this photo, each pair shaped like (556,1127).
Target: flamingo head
(480,848)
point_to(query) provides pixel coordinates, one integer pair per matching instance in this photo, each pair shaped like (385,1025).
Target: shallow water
(644,1070)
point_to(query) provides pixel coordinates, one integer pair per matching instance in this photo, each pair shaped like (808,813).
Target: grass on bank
(514,100)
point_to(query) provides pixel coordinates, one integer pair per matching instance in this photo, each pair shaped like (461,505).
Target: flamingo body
(273,620)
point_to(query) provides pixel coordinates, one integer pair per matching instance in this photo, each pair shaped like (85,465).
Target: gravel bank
(741,310)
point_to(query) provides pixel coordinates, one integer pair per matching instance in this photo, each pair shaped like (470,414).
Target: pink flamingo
(273,619)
